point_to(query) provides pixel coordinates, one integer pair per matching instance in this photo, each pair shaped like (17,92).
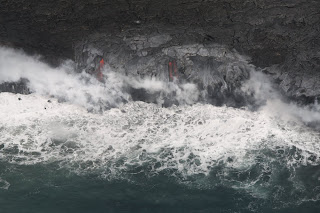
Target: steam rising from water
(214,144)
(266,95)
(85,90)
(81,88)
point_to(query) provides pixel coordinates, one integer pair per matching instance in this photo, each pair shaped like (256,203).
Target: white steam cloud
(81,88)
(85,90)
(264,92)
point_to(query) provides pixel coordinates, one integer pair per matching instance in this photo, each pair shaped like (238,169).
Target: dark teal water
(48,188)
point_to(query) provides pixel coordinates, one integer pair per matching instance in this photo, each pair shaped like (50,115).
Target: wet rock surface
(218,71)
(15,87)
(281,36)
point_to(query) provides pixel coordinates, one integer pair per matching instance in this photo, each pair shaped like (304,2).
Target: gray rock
(275,34)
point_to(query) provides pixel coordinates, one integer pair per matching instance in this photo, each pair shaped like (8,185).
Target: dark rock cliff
(282,36)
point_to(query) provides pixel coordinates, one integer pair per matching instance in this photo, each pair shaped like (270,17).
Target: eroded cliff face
(281,37)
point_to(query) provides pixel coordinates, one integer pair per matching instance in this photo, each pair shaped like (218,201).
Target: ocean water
(140,157)
(79,145)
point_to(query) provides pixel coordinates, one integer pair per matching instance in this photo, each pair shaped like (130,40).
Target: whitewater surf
(78,143)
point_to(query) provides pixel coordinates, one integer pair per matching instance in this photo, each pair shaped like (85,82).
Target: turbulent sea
(64,156)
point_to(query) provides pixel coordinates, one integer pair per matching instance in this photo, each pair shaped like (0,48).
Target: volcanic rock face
(218,71)
(140,36)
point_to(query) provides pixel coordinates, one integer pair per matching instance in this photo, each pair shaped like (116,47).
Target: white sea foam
(189,139)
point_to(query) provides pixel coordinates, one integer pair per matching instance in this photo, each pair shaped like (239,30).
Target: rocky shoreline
(280,37)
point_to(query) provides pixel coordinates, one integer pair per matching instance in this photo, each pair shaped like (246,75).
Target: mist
(83,89)
(271,100)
